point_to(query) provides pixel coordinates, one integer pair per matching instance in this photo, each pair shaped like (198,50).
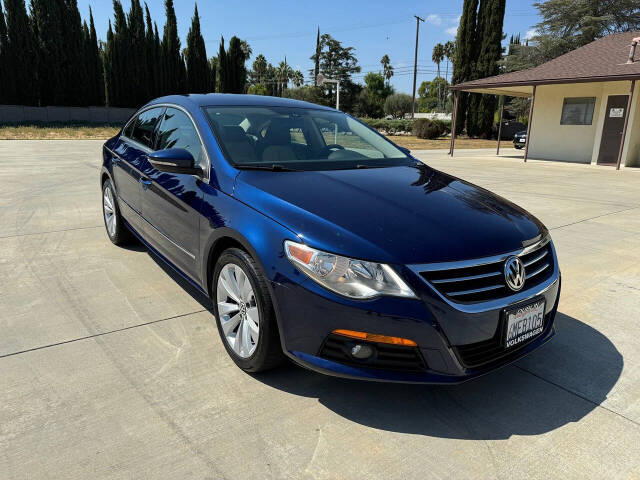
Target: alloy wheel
(238,310)
(109,211)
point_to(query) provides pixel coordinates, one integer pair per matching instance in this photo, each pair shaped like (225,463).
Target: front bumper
(308,314)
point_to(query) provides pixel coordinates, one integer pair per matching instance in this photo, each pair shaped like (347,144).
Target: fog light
(361,352)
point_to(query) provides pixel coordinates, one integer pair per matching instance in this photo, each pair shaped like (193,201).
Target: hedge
(406,126)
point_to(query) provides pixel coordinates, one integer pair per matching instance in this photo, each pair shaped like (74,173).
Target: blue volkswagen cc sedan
(318,239)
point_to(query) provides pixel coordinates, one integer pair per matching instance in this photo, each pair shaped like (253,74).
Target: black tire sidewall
(120,235)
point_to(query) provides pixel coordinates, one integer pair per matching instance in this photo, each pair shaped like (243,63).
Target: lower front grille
(492,350)
(386,356)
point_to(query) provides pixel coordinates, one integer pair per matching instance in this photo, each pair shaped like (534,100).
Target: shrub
(429,129)
(390,126)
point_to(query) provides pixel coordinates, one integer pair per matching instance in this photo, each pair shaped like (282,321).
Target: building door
(612,129)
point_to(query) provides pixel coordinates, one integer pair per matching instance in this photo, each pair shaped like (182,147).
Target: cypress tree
(47,17)
(198,80)
(4,77)
(20,54)
(463,63)
(236,71)
(108,61)
(153,68)
(74,72)
(316,69)
(157,55)
(121,77)
(137,58)
(488,58)
(213,74)
(223,69)
(96,79)
(173,64)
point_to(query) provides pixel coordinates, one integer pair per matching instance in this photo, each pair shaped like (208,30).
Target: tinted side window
(177,131)
(143,126)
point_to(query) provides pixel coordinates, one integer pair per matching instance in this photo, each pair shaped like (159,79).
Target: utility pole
(415,66)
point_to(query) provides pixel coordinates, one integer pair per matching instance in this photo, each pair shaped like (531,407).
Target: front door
(171,202)
(612,129)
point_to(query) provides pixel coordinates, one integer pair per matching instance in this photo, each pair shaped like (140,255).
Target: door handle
(145,182)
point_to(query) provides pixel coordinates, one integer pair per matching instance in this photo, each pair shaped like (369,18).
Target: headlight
(346,276)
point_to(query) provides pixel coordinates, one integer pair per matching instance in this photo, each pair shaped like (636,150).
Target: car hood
(402,215)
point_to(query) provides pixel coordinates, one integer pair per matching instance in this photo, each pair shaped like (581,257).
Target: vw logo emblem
(514,273)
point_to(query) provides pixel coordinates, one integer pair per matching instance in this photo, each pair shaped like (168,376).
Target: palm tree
(297,78)
(283,74)
(387,69)
(438,56)
(449,52)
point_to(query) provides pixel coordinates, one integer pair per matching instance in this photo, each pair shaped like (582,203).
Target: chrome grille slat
(463,279)
(537,259)
(540,270)
(475,290)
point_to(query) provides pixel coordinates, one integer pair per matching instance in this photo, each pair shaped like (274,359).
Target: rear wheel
(116,230)
(244,312)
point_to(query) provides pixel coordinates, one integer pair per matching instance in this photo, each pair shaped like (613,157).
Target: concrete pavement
(111,368)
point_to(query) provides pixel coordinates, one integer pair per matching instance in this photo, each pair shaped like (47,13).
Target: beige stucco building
(584,108)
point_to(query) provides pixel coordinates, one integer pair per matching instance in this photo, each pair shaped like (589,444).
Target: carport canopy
(608,59)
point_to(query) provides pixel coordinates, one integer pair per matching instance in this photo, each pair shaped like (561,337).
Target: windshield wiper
(276,167)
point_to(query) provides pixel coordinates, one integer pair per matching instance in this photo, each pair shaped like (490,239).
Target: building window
(578,111)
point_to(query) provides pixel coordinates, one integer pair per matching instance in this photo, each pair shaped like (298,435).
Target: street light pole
(415,67)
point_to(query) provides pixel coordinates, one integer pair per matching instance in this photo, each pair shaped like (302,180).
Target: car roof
(231,99)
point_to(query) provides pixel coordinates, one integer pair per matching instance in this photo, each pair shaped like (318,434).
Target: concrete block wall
(21,113)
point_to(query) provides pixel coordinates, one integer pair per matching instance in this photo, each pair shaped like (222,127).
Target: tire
(249,355)
(117,232)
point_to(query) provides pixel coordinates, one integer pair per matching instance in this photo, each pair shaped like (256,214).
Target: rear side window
(141,129)
(177,131)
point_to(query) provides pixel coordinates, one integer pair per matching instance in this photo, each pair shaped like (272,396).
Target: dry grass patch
(57,132)
(414,143)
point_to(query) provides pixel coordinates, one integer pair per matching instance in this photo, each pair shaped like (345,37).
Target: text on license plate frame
(523,322)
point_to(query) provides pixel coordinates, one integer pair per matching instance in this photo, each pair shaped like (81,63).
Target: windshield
(286,138)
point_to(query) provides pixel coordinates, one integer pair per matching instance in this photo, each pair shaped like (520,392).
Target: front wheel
(244,312)
(113,223)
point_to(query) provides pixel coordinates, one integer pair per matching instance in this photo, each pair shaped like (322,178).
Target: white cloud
(530,34)
(434,19)
(453,31)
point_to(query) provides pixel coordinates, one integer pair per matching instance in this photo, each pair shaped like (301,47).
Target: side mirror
(174,160)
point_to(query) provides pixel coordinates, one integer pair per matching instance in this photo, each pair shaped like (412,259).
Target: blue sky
(288,28)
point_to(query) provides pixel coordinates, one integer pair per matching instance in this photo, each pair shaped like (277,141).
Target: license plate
(524,323)
(522,140)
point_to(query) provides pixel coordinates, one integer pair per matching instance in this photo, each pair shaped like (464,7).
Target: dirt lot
(112,368)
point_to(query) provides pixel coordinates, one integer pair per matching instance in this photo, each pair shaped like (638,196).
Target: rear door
(612,129)
(171,202)
(131,150)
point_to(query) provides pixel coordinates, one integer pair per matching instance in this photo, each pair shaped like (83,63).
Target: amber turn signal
(373,337)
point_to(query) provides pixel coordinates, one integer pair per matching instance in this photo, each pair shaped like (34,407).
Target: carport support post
(501,97)
(453,123)
(626,122)
(526,145)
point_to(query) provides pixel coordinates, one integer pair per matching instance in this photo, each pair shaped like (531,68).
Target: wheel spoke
(225,308)
(225,280)
(246,338)
(237,344)
(231,324)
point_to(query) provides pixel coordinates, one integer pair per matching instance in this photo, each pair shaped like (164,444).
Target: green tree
(437,56)
(373,95)
(387,68)
(198,79)
(428,94)
(20,54)
(173,73)
(569,24)
(489,33)
(223,69)
(397,105)
(4,77)
(108,62)
(213,74)
(137,58)
(258,73)
(152,54)
(94,66)
(463,63)
(449,52)
(48,24)
(257,89)
(236,71)
(297,78)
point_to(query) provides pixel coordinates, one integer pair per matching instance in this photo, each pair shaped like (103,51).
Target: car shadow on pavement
(559,383)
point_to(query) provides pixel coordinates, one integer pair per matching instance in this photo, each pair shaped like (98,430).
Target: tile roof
(604,59)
